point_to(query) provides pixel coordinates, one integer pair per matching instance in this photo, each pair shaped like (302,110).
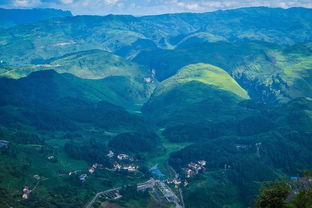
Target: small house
(110,154)
(83,177)
(123,157)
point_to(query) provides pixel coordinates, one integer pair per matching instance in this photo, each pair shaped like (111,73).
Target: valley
(176,110)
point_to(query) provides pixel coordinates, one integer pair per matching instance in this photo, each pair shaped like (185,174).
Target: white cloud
(67,1)
(26,3)
(189,6)
(144,7)
(22,3)
(110,2)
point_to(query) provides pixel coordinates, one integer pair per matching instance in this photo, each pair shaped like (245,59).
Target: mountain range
(232,87)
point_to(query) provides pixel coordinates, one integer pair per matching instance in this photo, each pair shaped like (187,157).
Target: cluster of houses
(194,168)
(175,181)
(83,177)
(123,158)
(117,165)
(128,167)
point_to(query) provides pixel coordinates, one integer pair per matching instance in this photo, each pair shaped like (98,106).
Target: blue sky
(144,7)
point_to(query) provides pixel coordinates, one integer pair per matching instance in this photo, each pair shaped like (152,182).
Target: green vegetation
(128,35)
(212,189)
(232,88)
(276,157)
(269,72)
(96,64)
(274,196)
(119,90)
(107,76)
(128,142)
(49,114)
(286,194)
(195,93)
(206,74)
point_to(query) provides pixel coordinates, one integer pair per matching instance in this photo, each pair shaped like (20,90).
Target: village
(158,188)
(125,162)
(193,169)
(119,162)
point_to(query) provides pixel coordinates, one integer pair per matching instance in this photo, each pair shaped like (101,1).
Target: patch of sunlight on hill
(207,74)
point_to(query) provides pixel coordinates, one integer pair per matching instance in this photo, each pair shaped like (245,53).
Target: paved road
(180,190)
(166,191)
(142,186)
(148,184)
(89,205)
(181,196)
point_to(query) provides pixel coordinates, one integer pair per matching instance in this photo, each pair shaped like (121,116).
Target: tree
(302,200)
(273,195)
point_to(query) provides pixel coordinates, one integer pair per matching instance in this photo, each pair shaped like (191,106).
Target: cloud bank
(145,7)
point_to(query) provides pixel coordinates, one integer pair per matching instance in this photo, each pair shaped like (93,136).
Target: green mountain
(13,17)
(105,75)
(194,93)
(48,90)
(206,74)
(128,35)
(96,64)
(269,72)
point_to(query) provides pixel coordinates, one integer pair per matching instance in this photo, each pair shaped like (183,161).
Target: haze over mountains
(168,90)
(12,17)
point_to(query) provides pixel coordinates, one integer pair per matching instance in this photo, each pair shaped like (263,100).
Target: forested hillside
(210,105)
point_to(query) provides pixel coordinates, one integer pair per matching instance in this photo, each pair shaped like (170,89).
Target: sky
(146,7)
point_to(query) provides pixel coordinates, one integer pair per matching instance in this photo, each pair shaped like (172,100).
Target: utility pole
(258,146)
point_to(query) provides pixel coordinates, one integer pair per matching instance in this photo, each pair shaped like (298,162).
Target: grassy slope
(195,93)
(206,74)
(296,65)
